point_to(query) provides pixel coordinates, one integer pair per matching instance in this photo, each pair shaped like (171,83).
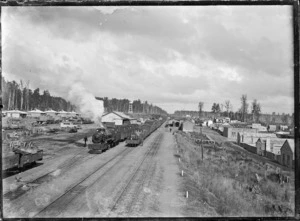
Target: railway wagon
(139,134)
(136,137)
(122,131)
(19,159)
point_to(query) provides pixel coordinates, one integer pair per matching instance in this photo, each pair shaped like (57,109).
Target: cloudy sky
(171,56)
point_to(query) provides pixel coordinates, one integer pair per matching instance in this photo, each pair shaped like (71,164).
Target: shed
(256,125)
(284,127)
(73,114)
(262,129)
(207,123)
(269,145)
(251,137)
(36,113)
(62,113)
(272,128)
(232,132)
(188,126)
(16,114)
(116,117)
(51,113)
(288,153)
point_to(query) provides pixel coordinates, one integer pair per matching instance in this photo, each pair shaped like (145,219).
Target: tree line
(138,106)
(18,96)
(248,112)
(242,114)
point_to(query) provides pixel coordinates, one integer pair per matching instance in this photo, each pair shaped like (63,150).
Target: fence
(249,148)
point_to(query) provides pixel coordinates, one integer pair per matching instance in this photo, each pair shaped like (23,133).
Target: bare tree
(27,95)
(256,109)
(244,107)
(200,107)
(228,106)
(21,89)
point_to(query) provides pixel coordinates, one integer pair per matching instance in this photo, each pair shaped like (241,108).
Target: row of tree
(138,106)
(242,114)
(18,96)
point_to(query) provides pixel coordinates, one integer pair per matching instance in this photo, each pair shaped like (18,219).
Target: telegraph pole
(201,149)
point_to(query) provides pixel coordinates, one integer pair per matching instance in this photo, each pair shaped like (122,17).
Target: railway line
(92,185)
(55,208)
(47,177)
(147,157)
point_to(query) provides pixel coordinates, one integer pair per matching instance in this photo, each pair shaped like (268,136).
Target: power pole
(201,149)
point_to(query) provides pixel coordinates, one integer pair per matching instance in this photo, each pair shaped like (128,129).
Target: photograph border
(296,48)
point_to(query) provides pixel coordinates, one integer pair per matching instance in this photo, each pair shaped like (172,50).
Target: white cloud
(167,55)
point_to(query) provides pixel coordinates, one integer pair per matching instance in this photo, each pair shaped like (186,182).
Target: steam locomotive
(110,135)
(107,137)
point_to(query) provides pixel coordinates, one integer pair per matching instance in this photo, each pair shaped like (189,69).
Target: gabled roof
(62,112)
(291,143)
(36,111)
(50,111)
(15,112)
(120,114)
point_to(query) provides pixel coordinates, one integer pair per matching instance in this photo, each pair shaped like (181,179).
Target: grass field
(227,182)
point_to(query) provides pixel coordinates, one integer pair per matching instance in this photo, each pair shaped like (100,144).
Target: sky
(171,56)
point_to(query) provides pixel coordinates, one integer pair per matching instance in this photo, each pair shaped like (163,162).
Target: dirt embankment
(227,182)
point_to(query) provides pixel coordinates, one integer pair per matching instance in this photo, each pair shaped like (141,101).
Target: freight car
(21,156)
(137,136)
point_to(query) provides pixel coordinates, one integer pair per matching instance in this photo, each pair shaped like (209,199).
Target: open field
(229,182)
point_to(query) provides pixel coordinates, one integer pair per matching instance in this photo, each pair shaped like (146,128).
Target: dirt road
(123,181)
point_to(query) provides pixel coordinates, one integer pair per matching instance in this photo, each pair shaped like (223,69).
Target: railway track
(147,157)
(56,206)
(12,195)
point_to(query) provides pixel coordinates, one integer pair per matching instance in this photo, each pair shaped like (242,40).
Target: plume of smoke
(86,102)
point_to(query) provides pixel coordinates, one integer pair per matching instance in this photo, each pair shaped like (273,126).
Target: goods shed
(118,118)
